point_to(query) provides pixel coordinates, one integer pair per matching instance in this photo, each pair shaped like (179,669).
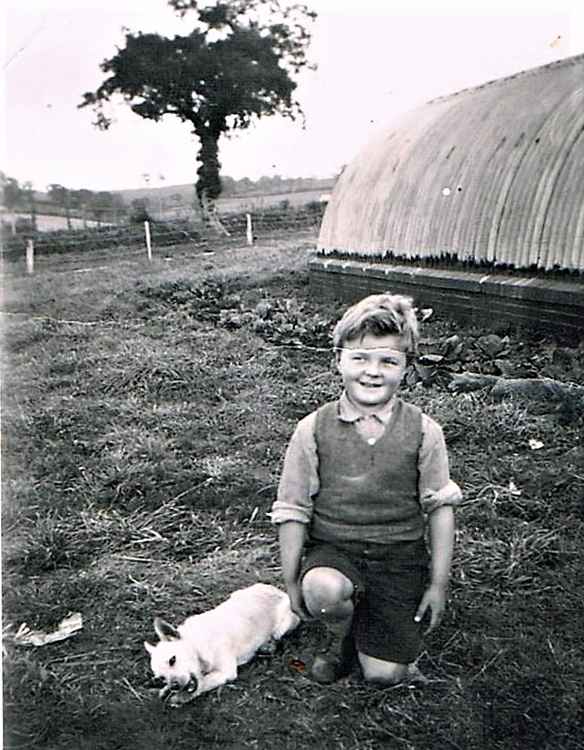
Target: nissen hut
(472,198)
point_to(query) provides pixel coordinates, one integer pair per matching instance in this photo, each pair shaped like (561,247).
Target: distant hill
(173,202)
(185,194)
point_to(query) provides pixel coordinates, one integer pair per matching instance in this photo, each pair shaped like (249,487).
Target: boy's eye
(172,661)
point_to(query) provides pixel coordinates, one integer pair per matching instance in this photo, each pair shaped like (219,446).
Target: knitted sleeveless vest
(368,492)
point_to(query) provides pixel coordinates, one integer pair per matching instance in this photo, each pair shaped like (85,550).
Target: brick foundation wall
(471,297)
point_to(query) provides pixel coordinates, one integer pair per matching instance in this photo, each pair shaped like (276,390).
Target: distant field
(46,223)
(158,208)
(257,202)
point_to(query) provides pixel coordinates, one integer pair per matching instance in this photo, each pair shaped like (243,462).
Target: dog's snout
(157,682)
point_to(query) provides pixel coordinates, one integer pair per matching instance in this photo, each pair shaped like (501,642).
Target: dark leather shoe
(339,656)
(326,669)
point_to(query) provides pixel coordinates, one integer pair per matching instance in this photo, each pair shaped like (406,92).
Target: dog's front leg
(226,672)
(163,692)
(179,699)
(208,682)
(213,680)
(268,648)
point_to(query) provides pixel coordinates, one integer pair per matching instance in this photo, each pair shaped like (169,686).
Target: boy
(362,478)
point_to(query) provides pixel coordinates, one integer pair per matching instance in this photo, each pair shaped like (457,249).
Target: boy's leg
(328,596)
(327,593)
(387,636)
(382,672)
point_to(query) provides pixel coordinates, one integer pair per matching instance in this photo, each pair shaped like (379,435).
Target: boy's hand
(296,601)
(435,599)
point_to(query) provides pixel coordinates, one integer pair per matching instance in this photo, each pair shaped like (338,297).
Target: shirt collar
(348,412)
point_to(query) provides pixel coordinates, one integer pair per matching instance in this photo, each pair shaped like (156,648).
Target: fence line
(31,253)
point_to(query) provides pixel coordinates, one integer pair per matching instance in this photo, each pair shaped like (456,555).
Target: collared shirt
(299,481)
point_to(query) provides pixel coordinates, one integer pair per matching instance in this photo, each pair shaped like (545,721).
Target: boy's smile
(372,369)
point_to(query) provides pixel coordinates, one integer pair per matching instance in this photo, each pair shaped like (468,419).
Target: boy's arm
(291,535)
(436,487)
(441,526)
(292,509)
(299,478)
(438,497)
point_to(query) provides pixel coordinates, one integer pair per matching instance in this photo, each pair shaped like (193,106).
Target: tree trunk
(67,212)
(33,214)
(209,211)
(209,183)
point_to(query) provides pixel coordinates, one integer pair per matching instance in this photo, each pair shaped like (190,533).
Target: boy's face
(372,368)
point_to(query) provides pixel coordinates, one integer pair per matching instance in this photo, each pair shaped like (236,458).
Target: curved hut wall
(486,179)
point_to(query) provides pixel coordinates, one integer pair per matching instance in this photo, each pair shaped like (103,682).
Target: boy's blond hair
(379,315)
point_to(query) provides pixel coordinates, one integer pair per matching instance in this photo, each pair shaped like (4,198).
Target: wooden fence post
(148,239)
(30,256)
(249,230)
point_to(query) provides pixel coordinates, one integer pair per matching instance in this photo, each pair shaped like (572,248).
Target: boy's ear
(164,630)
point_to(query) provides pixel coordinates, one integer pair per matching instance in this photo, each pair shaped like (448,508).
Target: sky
(376,59)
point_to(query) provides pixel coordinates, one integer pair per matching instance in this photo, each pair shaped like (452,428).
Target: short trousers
(389,582)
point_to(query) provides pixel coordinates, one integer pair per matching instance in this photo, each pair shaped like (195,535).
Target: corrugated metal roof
(494,173)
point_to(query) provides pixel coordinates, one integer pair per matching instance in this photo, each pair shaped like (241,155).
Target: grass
(146,412)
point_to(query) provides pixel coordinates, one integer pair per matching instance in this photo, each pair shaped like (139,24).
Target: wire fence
(30,252)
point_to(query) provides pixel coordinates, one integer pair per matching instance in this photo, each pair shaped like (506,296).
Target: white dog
(205,651)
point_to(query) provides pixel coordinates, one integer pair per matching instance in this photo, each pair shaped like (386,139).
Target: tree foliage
(236,65)
(15,195)
(98,204)
(12,193)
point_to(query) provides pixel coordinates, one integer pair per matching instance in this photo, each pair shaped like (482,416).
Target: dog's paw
(268,649)
(178,699)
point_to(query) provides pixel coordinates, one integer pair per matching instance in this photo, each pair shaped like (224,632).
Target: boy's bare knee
(327,589)
(382,672)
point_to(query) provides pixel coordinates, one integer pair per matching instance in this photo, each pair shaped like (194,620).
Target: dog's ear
(149,647)
(164,630)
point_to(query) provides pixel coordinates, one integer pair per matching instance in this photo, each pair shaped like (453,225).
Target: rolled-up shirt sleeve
(299,481)
(436,488)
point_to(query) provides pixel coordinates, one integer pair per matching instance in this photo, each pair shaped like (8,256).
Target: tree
(81,200)
(60,196)
(227,185)
(29,197)
(245,185)
(237,65)
(100,205)
(12,193)
(139,212)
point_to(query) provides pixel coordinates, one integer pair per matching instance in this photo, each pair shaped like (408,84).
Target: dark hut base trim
(470,297)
